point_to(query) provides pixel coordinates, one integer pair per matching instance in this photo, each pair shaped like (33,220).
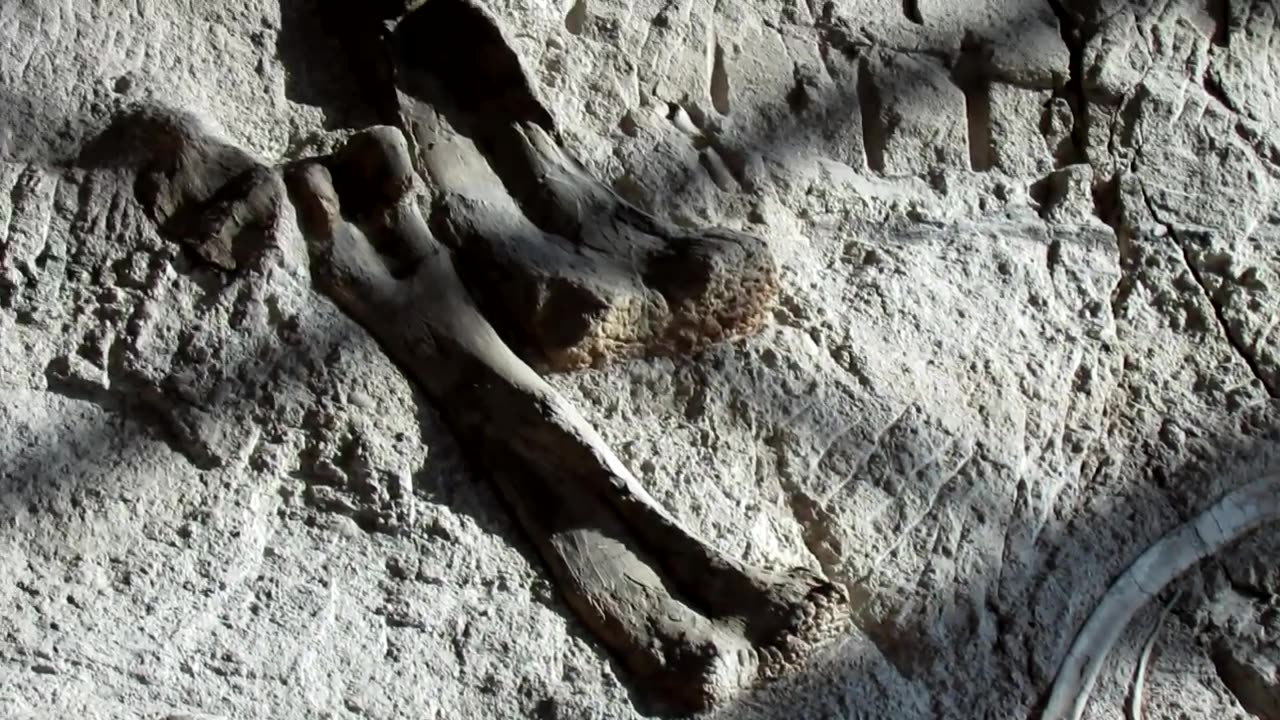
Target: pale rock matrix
(640,358)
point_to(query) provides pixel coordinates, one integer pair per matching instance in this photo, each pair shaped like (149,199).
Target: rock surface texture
(942,337)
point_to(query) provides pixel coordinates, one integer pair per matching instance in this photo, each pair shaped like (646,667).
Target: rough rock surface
(1029,320)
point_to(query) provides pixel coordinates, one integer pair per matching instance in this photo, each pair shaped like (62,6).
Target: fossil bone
(1228,519)
(1144,660)
(692,624)
(687,619)
(524,260)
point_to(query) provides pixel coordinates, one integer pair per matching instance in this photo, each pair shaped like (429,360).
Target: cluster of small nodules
(694,676)
(820,618)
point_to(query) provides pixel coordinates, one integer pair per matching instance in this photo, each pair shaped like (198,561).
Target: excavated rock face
(991,308)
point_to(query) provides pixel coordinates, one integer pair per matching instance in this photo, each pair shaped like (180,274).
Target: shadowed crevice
(1076,37)
(871,110)
(971,73)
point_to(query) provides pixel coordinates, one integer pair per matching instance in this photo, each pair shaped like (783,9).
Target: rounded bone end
(813,622)
(374,167)
(311,191)
(696,678)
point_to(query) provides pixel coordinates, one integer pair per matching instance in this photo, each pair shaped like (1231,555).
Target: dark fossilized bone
(686,619)
(570,273)
(520,235)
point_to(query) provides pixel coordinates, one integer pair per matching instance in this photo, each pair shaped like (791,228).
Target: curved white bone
(1237,513)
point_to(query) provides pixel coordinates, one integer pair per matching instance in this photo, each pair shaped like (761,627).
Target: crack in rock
(1075,38)
(1235,343)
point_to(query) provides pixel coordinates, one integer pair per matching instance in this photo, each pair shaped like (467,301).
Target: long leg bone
(689,621)
(575,276)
